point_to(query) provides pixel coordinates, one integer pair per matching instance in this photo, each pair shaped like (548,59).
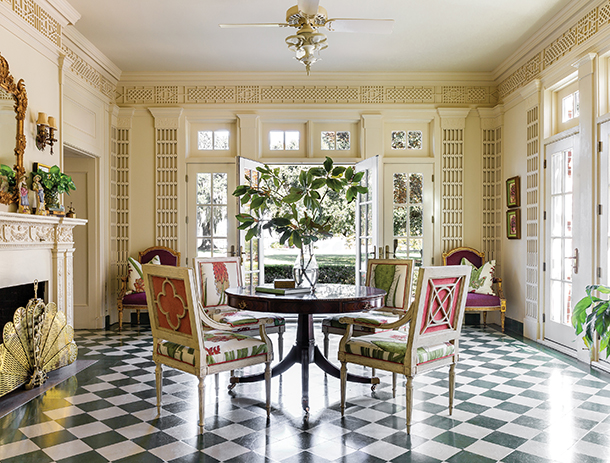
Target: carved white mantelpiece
(34,247)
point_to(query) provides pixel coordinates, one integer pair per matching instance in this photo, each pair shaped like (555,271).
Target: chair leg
(326,342)
(484,318)
(280,341)
(138,316)
(502,315)
(201,401)
(268,387)
(120,311)
(159,384)
(409,392)
(393,384)
(343,385)
(451,386)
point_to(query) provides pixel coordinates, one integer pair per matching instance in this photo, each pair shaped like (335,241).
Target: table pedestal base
(304,352)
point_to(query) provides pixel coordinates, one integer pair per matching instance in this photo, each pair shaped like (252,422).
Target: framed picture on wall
(513,192)
(37,166)
(513,224)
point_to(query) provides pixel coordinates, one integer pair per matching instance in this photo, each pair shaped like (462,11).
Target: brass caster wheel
(230,387)
(373,387)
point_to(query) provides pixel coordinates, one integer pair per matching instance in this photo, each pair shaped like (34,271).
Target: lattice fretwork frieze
(586,27)
(302,94)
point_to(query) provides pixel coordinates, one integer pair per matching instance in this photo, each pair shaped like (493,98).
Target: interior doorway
(88,294)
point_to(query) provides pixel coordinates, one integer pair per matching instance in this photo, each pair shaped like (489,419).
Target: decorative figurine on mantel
(37,187)
(24,202)
(71,212)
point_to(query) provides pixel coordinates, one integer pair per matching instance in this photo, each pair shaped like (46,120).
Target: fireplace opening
(13,297)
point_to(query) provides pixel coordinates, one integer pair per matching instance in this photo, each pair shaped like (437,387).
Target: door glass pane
(556,173)
(400,188)
(568,214)
(400,221)
(220,188)
(556,258)
(220,221)
(568,263)
(415,192)
(569,171)
(556,301)
(212,219)
(415,221)
(407,214)
(556,215)
(204,188)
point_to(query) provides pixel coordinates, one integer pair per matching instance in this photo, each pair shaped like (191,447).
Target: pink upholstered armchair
(478,302)
(136,300)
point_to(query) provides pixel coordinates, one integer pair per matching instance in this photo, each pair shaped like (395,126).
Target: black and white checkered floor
(515,402)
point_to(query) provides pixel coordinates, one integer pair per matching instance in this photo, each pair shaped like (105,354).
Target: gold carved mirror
(13,105)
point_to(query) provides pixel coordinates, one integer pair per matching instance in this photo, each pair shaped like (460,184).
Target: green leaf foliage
(591,316)
(302,207)
(55,180)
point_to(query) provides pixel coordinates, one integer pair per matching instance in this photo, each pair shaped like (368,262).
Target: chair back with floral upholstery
(437,313)
(394,276)
(172,307)
(214,275)
(455,256)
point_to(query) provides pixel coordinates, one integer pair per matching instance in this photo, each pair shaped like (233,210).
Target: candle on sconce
(52,123)
(42,119)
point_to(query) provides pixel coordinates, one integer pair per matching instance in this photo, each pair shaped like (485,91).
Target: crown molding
(542,37)
(61,10)
(94,57)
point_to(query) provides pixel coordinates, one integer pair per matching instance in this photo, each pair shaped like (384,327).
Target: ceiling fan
(308,16)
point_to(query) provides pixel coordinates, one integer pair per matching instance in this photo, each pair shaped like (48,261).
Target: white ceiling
(429,35)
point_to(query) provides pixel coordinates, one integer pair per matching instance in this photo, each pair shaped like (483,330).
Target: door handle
(575,259)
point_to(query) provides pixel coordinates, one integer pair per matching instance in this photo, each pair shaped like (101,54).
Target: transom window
(335,141)
(403,139)
(570,107)
(287,140)
(213,140)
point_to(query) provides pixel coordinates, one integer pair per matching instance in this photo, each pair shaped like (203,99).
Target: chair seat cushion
(482,300)
(374,320)
(220,347)
(391,346)
(240,318)
(135,299)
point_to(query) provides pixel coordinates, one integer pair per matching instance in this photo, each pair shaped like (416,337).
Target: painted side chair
(214,275)
(392,275)
(476,302)
(136,300)
(187,339)
(430,342)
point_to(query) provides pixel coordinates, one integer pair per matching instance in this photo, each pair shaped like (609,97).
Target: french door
(408,209)
(211,210)
(252,252)
(568,225)
(367,216)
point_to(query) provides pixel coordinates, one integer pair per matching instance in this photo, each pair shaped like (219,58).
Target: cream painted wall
(142,183)
(514,251)
(38,67)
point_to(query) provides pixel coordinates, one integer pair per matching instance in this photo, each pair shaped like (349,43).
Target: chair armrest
(404,318)
(209,321)
(123,289)
(499,291)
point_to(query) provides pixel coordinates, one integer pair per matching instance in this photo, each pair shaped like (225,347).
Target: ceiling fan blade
(230,26)
(366,26)
(309,7)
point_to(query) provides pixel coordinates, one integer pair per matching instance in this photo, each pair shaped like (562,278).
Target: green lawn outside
(322,259)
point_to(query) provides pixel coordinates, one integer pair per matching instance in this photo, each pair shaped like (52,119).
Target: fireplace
(13,297)
(34,247)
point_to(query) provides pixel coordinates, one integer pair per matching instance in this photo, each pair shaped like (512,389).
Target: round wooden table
(327,299)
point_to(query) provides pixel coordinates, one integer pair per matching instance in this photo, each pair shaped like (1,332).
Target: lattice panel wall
(167,188)
(492,194)
(532,212)
(453,178)
(122,200)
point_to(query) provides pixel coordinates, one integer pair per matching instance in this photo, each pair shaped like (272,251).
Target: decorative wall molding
(582,30)
(37,17)
(89,74)
(304,94)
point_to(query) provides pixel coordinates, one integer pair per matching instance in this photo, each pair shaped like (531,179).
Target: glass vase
(306,271)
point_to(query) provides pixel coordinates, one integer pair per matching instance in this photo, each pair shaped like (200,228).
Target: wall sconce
(46,131)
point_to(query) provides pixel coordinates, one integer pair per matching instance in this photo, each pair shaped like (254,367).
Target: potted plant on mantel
(54,183)
(296,212)
(592,315)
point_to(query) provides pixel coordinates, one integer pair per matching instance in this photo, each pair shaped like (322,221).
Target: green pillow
(481,279)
